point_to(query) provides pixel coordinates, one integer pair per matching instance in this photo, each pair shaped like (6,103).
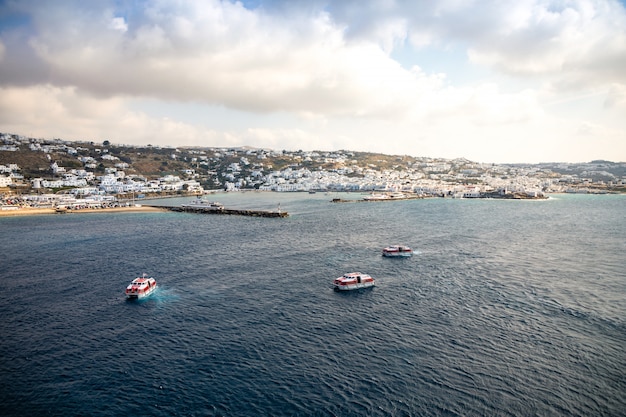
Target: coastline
(27,211)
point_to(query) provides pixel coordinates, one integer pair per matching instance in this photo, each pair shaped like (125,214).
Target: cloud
(118,23)
(572,42)
(616,97)
(331,59)
(487,105)
(380,75)
(575,44)
(218,53)
(48,111)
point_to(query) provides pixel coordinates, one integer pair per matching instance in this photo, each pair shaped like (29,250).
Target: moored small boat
(141,287)
(203,204)
(396,251)
(353,281)
(376,197)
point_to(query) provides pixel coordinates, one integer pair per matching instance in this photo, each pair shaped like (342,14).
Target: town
(52,171)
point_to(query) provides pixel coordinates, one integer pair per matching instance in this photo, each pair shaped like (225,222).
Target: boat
(385,196)
(397,251)
(376,197)
(203,204)
(141,287)
(353,281)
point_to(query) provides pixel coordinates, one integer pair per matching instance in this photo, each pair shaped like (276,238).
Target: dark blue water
(509,308)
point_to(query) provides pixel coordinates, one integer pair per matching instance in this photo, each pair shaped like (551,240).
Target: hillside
(216,168)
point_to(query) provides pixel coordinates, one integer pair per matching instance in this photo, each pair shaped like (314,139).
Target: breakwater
(490,195)
(226,211)
(375,200)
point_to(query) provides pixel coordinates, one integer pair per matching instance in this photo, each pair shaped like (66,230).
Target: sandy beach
(27,211)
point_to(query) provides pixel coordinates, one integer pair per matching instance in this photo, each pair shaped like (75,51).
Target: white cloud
(47,111)
(118,23)
(322,74)
(574,44)
(616,97)
(224,54)
(582,41)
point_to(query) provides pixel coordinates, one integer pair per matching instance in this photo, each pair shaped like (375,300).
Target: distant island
(103,173)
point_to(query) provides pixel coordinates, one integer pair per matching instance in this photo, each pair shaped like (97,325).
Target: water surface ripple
(508,308)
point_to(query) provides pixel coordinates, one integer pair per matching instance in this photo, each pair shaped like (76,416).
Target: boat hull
(351,287)
(139,295)
(397,251)
(397,254)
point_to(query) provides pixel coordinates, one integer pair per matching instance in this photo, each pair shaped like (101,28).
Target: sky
(492,81)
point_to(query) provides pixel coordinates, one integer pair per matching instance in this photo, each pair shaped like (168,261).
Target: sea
(507,308)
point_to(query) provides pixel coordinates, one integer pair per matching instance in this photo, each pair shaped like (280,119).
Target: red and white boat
(141,287)
(353,281)
(396,251)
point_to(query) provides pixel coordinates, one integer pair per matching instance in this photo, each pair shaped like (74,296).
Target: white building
(5,181)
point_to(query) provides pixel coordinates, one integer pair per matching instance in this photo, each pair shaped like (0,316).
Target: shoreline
(27,211)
